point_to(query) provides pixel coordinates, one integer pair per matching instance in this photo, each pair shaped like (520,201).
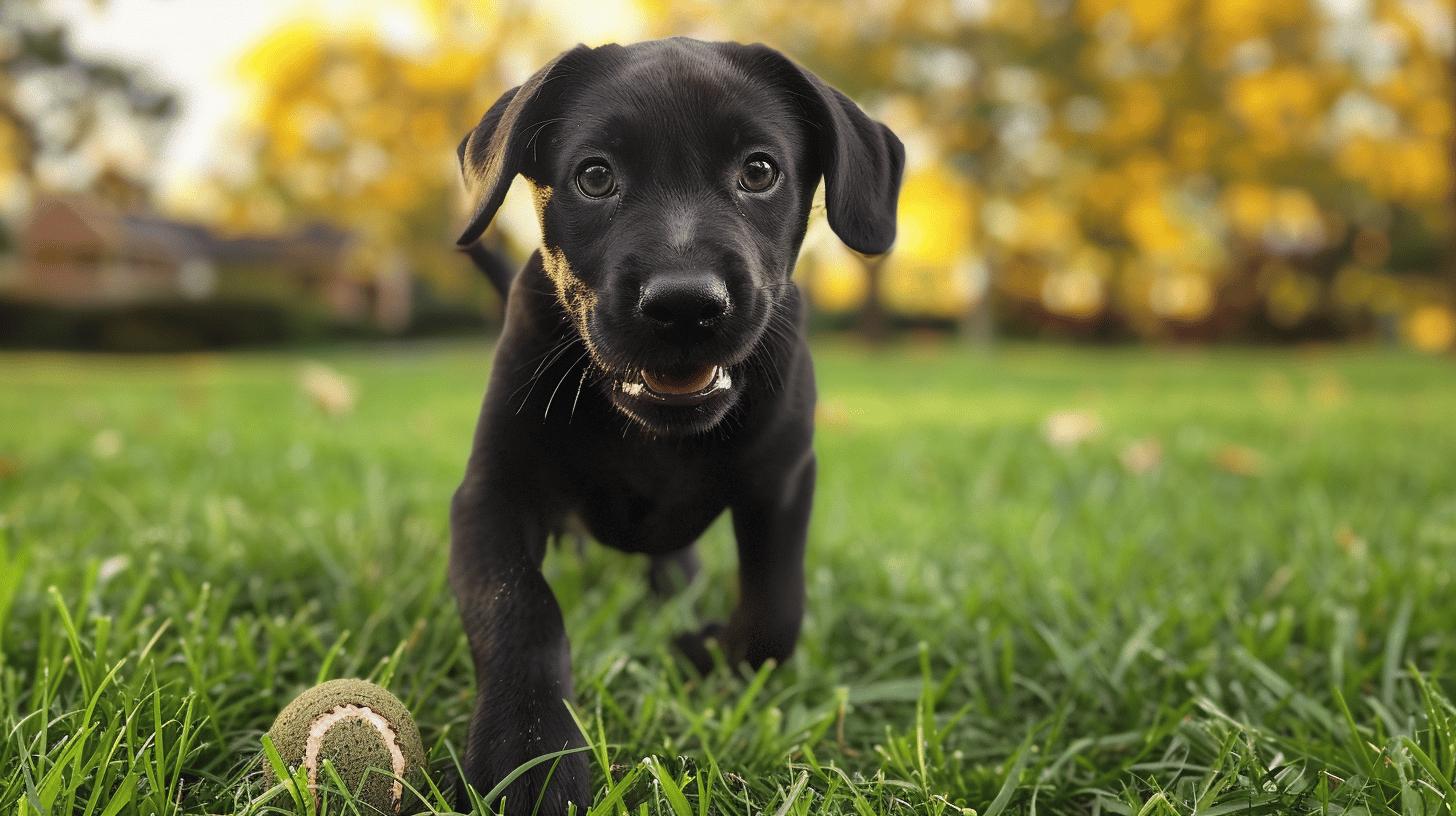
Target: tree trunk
(1449,267)
(978,327)
(873,324)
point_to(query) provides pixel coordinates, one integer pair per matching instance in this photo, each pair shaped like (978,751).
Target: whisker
(536,378)
(579,385)
(539,358)
(564,375)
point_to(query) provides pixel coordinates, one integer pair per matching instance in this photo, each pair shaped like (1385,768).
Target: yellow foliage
(927,272)
(1137,115)
(1414,83)
(1362,159)
(1092,12)
(1290,295)
(1146,172)
(1249,207)
(431,127)
(293,50)
(1151,228)
(1421,171)
(929,290)
(347,82)
(1413,170)
(449,72)
(1356,287)
(1080,288)
(1433,118)
(1104,195)
(935,218)
(1275,102)
(1431,328)
(9,149)
(1296,219)
(839,284)
(1148,19)
(1193,142)
(1183,295)
(1154,18)
(1046,226)
(1235,20)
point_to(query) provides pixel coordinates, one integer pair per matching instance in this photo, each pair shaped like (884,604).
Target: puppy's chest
(648,503)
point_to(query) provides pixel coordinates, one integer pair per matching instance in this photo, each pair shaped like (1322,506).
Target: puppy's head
(673,181)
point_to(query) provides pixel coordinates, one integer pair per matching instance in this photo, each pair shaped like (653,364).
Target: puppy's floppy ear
(494,151)
(862,160)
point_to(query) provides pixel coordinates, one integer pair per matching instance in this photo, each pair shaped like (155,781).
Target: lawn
(1041,580)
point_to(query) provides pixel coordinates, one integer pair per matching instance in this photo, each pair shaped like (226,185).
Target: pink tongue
(690,383)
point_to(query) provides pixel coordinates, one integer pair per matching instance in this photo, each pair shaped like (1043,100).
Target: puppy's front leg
(771,524)
(522,661)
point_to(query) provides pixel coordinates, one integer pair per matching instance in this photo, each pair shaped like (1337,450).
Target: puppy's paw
(700,647)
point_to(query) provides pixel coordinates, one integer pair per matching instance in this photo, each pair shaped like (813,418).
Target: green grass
(1261,623)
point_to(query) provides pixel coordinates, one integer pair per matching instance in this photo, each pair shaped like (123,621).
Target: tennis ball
(366,733)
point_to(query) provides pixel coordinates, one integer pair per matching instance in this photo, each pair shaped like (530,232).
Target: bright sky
(193,46)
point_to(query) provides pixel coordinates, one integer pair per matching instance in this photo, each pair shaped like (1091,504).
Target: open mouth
(692,387)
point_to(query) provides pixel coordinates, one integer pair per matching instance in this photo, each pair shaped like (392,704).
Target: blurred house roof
(160,237)
(79,251)
(310,243)
(84,225)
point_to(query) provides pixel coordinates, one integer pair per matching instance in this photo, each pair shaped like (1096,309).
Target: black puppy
(652,371)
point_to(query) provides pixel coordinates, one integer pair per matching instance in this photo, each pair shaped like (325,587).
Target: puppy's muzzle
(684,312)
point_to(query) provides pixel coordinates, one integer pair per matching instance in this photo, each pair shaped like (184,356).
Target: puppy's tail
(493,264)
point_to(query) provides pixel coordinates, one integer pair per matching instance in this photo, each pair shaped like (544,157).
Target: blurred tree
(1450,269)
(358,130)
(1160,167)
(1270,168)
(70,121)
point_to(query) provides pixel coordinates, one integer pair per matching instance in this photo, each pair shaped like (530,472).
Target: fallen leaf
(111,567)
(1239,460)
(106,444)
(1352,543)
(831,413)
(330,391)
(1067,429)
(1330,391)
(1142,455)
(1278,581)
(1275,390)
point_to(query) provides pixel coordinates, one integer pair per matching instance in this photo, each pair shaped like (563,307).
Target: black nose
(683,300)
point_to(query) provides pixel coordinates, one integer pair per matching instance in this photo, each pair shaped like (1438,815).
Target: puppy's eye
(758,174)
(595,179)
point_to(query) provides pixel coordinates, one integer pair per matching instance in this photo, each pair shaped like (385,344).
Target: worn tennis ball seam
(348,711)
